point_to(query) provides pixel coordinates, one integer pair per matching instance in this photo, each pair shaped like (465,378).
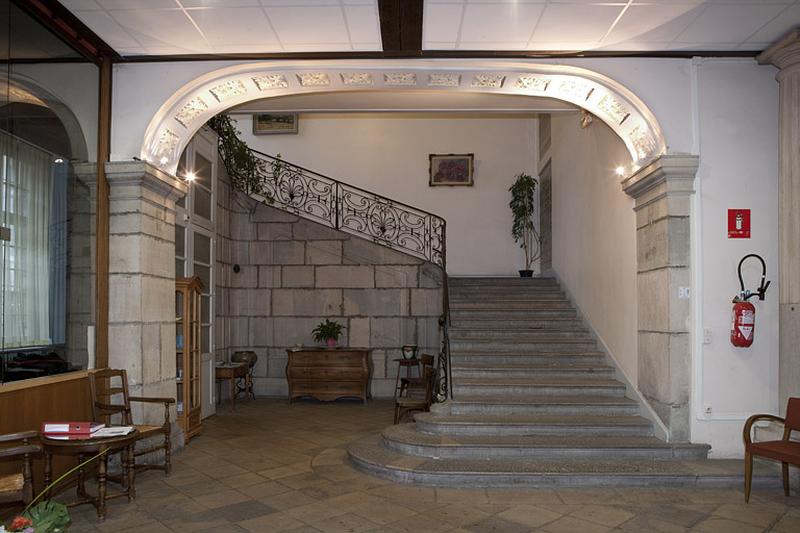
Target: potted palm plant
(523,229)
(327,331)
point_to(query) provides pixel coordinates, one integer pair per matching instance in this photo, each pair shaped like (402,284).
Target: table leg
(102,468)
(131,466)
(232,382)
(81,478)
(48,470)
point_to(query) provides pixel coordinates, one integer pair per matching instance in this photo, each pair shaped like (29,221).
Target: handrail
(363,213)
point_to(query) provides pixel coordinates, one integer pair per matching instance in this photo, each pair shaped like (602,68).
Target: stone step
(405,439)
(503,305)
(516,336)
(501,282)
(481,357)
(566,346)
(368,455)
(518,324)
(481,370)
(524,292)
(494,425)
(538,387)
(543,405)
(513,314)
(495,296)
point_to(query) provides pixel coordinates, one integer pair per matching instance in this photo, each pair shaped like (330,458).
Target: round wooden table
(85,448)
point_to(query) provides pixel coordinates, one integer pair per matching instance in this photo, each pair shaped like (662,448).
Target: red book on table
(70,428)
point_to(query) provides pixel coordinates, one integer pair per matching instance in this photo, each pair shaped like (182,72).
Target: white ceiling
(167,27)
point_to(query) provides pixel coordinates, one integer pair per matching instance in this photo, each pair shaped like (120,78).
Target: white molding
(195,103)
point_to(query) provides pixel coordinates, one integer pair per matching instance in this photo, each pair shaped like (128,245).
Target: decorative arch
(23,89)
(192,105)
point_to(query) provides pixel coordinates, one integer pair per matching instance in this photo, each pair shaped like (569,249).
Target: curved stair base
(370,456)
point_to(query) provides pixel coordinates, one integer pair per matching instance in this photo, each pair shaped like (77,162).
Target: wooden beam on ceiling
(401,26)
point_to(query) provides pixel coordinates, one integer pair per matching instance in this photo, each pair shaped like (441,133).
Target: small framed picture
(269,123)
(451,169)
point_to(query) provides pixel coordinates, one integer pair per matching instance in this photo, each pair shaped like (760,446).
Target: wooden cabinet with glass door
(187,350)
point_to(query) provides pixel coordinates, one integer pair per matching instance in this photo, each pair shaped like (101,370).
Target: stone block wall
(294,273)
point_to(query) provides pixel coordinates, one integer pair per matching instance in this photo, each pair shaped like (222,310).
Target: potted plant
(328,332)
(522,229)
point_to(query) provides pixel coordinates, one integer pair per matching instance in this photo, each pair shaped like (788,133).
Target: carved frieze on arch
(193,104)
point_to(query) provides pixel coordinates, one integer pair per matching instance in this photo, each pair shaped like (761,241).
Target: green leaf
(48,516)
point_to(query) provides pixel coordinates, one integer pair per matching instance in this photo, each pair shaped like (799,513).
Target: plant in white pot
(523,230)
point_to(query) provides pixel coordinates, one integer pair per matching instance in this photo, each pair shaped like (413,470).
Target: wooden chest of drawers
(328,374)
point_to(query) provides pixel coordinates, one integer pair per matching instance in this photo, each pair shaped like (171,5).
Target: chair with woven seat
(416,400)
(18,487)
(111,403)
(785,450)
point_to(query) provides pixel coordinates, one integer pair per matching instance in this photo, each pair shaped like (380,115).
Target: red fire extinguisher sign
(738,223)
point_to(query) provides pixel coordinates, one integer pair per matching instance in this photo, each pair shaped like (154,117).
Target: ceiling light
(620,171)
(190,176)
(164,159)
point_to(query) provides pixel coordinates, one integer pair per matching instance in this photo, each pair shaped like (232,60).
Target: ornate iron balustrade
(362,213)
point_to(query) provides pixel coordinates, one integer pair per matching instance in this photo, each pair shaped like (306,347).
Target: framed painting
(269,123)
(450,169)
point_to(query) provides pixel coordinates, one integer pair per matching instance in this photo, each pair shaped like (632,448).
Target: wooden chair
(111,400)
(404,405)
(18,487)
(425,361)
(786,451)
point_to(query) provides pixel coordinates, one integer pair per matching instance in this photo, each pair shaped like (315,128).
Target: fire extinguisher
(743,319)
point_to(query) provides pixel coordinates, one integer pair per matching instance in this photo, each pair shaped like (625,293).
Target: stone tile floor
(272,467)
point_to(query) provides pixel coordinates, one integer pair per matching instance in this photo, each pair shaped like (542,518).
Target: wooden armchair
(110,399)
(404,405)
(18,487)
(786,451)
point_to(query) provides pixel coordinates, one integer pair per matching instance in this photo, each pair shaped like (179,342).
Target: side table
(86,448)
(408,364)
(230,373)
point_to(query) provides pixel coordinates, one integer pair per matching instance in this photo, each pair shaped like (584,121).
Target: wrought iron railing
(362,213)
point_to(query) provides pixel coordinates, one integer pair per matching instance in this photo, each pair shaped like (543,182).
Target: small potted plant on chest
(522,229)
(327,331)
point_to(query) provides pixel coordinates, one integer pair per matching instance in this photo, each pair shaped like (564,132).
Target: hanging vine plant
(246,171)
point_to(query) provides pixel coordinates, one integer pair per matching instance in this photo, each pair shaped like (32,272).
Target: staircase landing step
(497,425)
(405,438)
(369,456)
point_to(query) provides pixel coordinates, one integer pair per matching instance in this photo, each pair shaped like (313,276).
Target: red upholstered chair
(786,451)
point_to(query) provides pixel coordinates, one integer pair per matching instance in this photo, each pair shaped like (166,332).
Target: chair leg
(748,475)
(396,413)
(167,452)
(785,471)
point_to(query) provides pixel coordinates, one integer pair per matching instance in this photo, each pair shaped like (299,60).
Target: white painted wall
(738,144)
(594,244)
(76,86)
(387,153)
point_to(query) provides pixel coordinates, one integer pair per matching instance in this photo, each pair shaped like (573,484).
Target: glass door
(195,247)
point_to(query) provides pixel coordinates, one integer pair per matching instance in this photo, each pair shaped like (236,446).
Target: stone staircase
(535,403)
